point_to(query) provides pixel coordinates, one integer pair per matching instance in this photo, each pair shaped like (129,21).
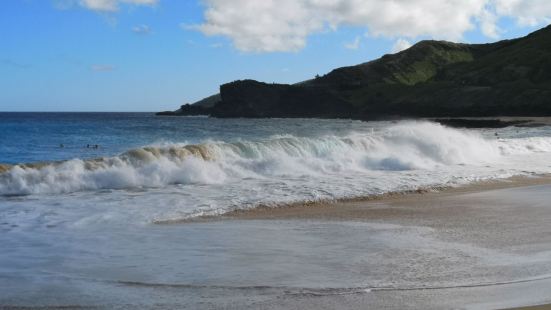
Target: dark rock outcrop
(189,110)
(485,123)
(250,98)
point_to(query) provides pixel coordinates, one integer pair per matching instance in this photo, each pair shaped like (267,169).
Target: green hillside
(432,78)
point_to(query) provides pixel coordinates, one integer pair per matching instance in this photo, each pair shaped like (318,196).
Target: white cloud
(488,24)
(284,25)
(354,45)
(400,45)
(106,5)
(142,30)
(264,26)
(526,12)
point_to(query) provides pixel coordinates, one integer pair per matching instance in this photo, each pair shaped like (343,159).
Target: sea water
(82,225)
(84,168)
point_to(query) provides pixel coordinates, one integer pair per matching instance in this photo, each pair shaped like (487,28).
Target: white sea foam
(403,147)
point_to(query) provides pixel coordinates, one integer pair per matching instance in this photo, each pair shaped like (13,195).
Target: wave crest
(406,146)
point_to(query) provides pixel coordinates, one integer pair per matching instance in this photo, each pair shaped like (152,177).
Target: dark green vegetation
(431,79)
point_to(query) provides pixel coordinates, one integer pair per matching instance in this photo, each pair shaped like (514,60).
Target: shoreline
(488,215)
(480,246)
(538,307)
(331,209)
(384,207)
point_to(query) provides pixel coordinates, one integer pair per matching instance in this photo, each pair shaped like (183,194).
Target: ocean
(142,169)
(82,225)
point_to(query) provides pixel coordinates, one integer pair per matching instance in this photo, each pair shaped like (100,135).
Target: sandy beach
(505,216)
(483,246)
(390,206)
(275,155)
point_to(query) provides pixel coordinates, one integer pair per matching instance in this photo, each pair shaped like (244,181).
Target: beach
(492,219)
(203,213)
(335,154)
(481,246)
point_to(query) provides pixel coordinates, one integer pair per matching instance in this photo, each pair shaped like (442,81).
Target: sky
(155,55)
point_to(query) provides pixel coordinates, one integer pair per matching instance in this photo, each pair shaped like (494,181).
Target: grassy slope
(445,78)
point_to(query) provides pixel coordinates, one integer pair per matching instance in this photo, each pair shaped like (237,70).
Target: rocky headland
(434,79)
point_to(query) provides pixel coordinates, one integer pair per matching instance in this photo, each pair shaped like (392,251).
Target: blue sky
(151,55)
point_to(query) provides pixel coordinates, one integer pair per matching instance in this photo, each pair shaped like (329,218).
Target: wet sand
(508,216)
(541,307)
(484,246)
(393,206)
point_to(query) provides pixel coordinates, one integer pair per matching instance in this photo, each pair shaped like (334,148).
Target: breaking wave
(406,146)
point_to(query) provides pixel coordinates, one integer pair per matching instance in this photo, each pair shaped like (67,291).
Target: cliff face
(432,78)
(255,99)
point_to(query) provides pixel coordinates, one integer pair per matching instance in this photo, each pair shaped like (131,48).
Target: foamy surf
(410,146)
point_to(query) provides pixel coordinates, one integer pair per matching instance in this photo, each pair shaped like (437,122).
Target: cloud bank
(284,25)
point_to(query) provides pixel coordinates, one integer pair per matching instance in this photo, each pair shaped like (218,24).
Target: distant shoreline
(455,122)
